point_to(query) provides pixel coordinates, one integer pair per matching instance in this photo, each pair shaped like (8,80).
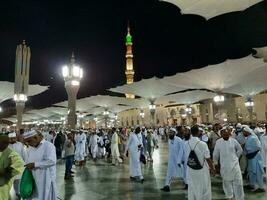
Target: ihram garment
(135,165)
(175,158)
(44,158)
(199,185)
(227,153)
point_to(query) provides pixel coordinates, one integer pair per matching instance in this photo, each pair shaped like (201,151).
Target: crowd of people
(236,153)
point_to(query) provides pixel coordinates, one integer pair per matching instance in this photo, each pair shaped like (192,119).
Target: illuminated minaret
(129,61)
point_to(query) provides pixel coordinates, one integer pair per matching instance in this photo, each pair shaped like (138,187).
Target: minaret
(129,72)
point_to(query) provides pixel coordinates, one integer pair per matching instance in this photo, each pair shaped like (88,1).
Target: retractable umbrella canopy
(251,84)
(217,77)
(150,89)
(186,98)
(212,8)
(7,90)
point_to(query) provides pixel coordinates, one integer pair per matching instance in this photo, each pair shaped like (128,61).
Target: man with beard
(199,183)
(134,146)
(227,152)
(41,159)
(186,136)
(175,159)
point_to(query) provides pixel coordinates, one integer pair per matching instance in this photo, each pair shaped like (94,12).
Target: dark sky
(165,42)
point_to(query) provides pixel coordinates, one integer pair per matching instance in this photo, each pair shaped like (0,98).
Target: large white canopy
(212,8)
(217,77)
(7,90)
(98,103)
(82,105)
(186,98)
(149,89)
(261,53)
(251,84)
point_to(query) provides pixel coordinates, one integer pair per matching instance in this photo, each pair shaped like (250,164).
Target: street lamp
(219,99)
(72,75)
(152,109)
(249,105)
(22,71)
(188,110)
(142,114)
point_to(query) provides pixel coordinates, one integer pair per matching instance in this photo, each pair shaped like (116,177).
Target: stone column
(20,108)
(72,91)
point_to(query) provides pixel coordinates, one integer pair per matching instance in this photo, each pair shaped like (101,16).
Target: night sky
(165,42)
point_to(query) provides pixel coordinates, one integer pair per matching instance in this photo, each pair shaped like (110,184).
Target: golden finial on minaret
(129,72)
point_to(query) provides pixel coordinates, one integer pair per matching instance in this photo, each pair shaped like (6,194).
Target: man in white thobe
(186,136)
(80,151)
(41,159)
(175,168)
(93,144)
(21,150)
(227,152)
(134,147)
(115,148)
(199,184)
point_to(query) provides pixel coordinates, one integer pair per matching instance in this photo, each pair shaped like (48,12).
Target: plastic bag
(27,184)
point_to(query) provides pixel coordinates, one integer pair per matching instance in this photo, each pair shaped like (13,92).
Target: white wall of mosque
(163,116)
(233,109)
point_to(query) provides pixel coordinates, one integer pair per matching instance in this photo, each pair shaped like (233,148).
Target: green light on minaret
(128,39)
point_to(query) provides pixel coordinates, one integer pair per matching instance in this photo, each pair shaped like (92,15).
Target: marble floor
(100,180)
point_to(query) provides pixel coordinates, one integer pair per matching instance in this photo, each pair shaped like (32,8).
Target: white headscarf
(174,130)
(247,129)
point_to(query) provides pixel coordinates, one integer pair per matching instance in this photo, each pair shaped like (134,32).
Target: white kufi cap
(30,134)
(12,135)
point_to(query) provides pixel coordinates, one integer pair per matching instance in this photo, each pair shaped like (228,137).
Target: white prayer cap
(247,129)
(224,128)
(210,126)
(238,125)
(12,135)
(30,134)
(188,127)
(173,129)
(200,129)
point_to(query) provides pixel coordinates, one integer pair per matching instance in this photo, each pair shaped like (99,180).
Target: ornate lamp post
(142,116)
(72,74)
(188,111)
(249,105)
(219,100)
(152,109)
(106,114)
(22,70)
